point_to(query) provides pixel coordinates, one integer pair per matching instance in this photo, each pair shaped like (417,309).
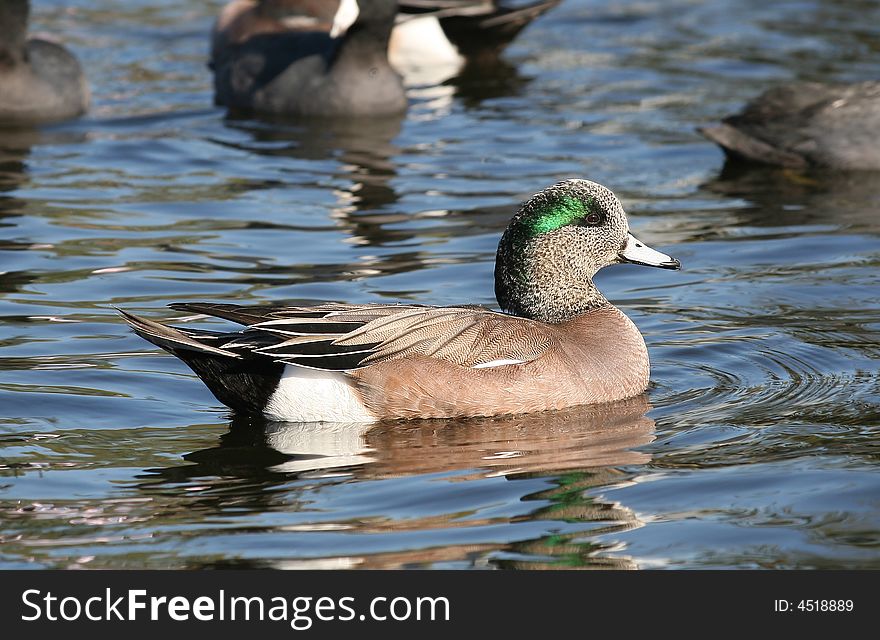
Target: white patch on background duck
(420,43)
(316,395)
(345,16)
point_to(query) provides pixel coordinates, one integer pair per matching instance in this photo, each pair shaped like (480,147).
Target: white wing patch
(315,395)
(503,362)
(345,16)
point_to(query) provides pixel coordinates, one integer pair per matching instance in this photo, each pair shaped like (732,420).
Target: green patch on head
(559,213)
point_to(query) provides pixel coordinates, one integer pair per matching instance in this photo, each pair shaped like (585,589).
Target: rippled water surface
(755,447)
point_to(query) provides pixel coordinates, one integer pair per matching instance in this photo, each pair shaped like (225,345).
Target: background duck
(559,342)
(302,70)
(472,28)
(40,81)
(806,124)
(427,33)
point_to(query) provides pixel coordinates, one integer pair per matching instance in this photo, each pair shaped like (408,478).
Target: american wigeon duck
(806,124)
(426,32)
(557,343)
(301,69)
(40,81)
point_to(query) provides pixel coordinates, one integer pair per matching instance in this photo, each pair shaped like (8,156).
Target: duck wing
(343,337)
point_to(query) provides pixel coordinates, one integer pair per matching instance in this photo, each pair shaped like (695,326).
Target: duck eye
(593,219)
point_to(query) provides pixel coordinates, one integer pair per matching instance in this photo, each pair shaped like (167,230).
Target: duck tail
(242,382)
(523,15)
(739,144)
(169,338)
(475,33)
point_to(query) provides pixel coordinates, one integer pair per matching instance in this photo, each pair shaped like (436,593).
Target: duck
(426,33)
(556,341)
(40,81)
(806,125)
(303,68)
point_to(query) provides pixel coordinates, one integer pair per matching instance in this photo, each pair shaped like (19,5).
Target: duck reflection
(789,197)
(576,438)
(364,171)
(487,79)
(15,147)
(293,468)
(364,153)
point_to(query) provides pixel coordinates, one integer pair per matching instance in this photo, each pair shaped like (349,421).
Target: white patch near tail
(345,16)
(315,395)
(420,51)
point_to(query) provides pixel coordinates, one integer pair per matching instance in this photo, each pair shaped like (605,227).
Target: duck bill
(638,252)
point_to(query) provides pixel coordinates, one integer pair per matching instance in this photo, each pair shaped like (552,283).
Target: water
(755,447)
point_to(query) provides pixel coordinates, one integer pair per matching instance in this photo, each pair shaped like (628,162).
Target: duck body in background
(427,34)
(806,124)
(40,81)
(303,70)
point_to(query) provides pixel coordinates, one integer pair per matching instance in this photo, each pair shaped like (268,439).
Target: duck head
(555,244)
